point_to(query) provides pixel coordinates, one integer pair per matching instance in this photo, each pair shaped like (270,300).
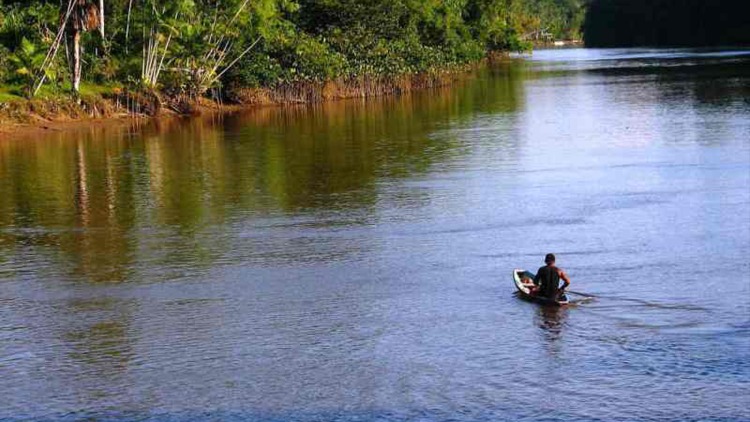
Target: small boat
(524,281)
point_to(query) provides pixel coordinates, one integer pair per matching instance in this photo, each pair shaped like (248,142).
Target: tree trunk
(101,18)
(76,61)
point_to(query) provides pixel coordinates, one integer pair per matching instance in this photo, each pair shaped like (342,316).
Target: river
(352,261)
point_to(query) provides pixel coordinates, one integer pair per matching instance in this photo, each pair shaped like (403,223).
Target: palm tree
(76,17)
(86,16)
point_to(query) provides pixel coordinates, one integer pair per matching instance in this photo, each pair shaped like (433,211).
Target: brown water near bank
(38,117)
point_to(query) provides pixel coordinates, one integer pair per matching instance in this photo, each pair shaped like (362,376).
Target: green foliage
(33,20)
(560,18)
(255,70)
(306,58)
(183,47)
(26,31)
(25,61)
(4,63)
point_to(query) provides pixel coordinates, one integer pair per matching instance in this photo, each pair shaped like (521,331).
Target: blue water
(352,261)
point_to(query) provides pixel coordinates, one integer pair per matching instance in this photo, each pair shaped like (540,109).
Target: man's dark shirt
(548,279)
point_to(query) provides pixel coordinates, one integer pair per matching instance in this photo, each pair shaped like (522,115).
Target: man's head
(549,259)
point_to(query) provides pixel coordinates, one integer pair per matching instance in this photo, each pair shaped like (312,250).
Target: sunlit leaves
(182,46)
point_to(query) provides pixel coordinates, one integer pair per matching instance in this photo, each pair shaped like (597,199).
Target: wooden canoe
(524,281)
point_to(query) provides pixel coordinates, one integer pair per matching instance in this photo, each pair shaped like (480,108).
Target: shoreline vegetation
(63,60)
(59,62)
(21,117)
(108,101)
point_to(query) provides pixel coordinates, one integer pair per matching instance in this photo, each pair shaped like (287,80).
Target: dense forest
(625,23)
(195,47)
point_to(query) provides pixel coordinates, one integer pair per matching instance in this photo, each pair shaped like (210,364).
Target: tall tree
(86,16)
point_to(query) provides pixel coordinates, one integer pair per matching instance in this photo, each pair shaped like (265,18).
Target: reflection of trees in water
(65,195)
(101,196)
(706,81)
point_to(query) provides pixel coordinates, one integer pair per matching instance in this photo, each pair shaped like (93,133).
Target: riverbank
(27,118)
(558,43)
(24,118)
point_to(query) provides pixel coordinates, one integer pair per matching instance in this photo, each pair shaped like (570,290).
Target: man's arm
(565,278)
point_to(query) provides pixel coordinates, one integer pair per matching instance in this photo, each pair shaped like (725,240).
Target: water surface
(352,261)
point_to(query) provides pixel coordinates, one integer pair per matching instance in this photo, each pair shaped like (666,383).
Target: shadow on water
(551,319)
(551,322)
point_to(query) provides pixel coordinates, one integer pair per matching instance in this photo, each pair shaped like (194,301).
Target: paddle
(579,293)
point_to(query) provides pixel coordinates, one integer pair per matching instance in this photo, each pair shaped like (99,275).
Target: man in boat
(548,279)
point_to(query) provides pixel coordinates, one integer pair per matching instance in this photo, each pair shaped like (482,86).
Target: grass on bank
(9,94)
(14,93)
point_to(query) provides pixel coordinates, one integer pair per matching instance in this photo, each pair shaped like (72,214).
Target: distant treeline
(191,47)
(624,23)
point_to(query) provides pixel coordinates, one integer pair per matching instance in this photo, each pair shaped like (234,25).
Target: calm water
(352,261)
